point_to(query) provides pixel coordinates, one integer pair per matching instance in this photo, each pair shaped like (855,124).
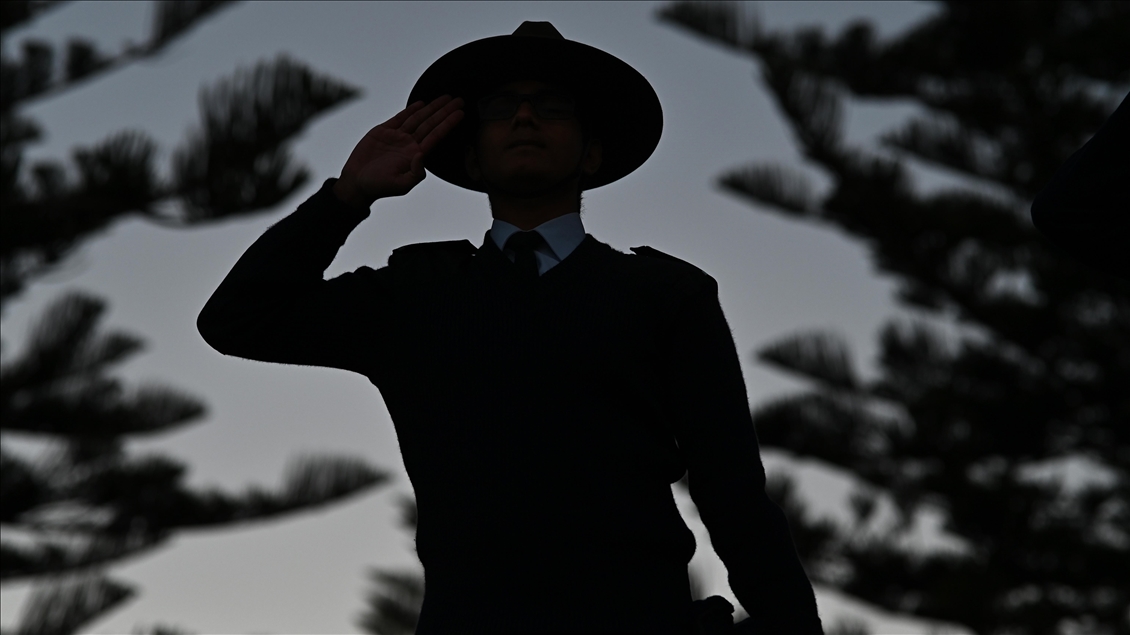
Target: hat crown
(538,29)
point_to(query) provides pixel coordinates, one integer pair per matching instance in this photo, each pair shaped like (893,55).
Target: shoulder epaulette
(431,257)
(655,253)
(441,248)
(688,270)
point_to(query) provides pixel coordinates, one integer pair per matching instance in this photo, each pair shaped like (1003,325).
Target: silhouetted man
(546,389)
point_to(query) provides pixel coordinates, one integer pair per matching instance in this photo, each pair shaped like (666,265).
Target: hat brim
(618,100)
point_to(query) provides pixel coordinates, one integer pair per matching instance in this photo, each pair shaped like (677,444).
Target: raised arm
(275,306)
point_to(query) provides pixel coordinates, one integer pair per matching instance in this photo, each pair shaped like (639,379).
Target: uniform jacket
(541,425)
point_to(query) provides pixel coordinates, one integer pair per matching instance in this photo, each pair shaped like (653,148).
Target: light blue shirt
(561,234)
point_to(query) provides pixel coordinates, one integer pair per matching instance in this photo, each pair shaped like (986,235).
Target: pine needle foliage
(78,502)
(395,596)
(980,427)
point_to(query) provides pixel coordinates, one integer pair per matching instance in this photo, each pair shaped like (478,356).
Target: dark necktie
(523,245)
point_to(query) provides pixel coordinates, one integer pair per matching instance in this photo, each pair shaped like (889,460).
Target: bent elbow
(207,329)
(214,330)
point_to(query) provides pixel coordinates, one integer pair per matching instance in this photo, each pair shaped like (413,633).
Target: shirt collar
(561,234)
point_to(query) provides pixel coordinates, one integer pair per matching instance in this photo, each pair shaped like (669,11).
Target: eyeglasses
(548,104)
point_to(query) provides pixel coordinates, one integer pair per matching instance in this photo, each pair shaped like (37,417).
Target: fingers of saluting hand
(413,122)
(438,125)
(434,118)
(402,116)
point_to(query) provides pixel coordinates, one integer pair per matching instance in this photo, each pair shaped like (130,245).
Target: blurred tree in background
(394,601)
(1001,403)
(74,501)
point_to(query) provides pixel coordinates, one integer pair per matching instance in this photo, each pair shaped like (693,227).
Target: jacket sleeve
(1085,208)
(716,436)
(275,306)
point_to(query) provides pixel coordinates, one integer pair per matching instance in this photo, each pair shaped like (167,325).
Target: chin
(529,183)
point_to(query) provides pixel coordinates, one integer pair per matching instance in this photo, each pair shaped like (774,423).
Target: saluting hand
(389,159)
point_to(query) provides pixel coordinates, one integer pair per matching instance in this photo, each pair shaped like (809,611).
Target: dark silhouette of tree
(77,502)
(393,604)
(1016,362)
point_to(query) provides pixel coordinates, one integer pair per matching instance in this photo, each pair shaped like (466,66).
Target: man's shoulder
(441,251)
(652,262)
(650,254)
(427,260)
(658,274)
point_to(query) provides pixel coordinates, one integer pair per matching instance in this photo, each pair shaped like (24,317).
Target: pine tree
(83,503)
(1011,366)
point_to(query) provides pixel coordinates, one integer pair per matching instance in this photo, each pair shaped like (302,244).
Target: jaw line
(539,190)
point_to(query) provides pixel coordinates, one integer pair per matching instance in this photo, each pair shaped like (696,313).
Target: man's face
(526,153)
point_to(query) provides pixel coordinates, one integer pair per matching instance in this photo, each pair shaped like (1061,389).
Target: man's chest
(458,331)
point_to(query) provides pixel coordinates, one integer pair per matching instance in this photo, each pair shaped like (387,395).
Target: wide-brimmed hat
(615,101)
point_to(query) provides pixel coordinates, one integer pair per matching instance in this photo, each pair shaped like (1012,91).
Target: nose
(525,110)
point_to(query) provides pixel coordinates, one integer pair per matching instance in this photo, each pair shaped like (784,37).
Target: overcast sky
(307,573)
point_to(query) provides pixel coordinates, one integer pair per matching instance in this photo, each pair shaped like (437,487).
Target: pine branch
(64,343)
(83,60)
(118,173)
(34,77)
(91,492)
(57,387)
(99,409)
(21,487)
(933,586)
(819,356)
(112,507)
(115,176)
(788,191)
(944,143)
(15,132)
(394,605)
(65,606)
(915,358)
(309,482)
(15,13)
(43,227)
(47,556)
(717,22)
(812,107)
(172,19)
(409,514)
(237,162)
(841,432)
(40,232)
(312,481)
(813,538)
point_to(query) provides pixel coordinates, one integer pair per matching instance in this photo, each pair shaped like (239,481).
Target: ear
(471,162)
(594,154)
